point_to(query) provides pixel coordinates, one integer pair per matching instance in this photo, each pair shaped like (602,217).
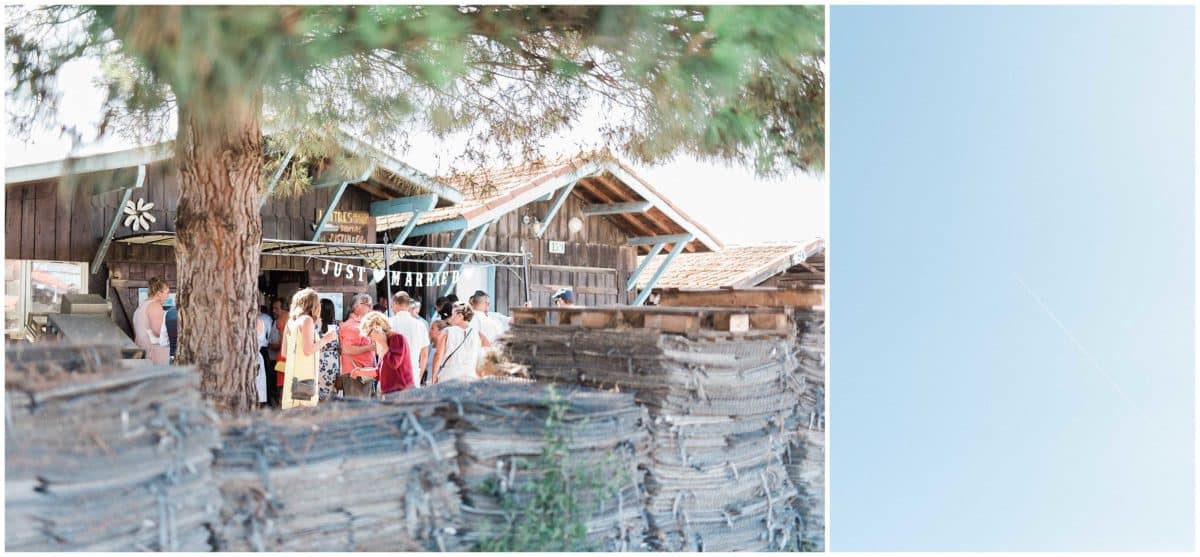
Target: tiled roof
(732,266)
(487,189)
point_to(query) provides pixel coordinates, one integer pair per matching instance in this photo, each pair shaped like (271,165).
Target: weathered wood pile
(511,431)
(719,402)
(805,457)
(345,476)
(103,457)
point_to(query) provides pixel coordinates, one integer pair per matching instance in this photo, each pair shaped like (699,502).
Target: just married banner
(398,278)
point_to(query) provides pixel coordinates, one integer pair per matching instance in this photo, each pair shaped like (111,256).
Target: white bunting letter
(337,269)
(395,278)
(361,270)
(407,279)
(325,269)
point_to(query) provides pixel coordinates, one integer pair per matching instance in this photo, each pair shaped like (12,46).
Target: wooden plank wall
(39,224)
(600,244)
(42,224)
(291,218)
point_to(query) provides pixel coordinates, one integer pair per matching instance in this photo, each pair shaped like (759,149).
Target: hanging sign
(349,227)
(397,278)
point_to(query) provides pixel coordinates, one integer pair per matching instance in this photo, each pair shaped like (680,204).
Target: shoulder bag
(301,389)
(466,336)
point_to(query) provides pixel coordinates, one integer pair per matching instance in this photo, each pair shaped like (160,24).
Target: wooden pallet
(666,319)
(806,298)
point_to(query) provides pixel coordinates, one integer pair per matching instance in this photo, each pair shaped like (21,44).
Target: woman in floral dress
(329,365)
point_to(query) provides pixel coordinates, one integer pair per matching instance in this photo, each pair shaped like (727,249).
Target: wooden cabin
(583,221)
(743,275)
(519,234)
(65,229)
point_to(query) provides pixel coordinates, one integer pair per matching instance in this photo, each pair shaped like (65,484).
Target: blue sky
(1012,271)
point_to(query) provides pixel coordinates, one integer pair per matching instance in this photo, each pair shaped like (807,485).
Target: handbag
(359,383)
(303,390)
(455,351)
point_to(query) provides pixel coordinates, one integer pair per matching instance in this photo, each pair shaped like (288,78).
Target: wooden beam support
(337,198)
(474,243)
(608,192)
(398,206)
(742,297)
(416,205)
(449,225)
(617,208)
(632,282)
(559,200)
(112,229)
(458,238)
(275,178)
(408,229)
(669,239)
(333,203)
(645,293)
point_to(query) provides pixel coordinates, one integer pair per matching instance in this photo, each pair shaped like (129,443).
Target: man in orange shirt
(356,348)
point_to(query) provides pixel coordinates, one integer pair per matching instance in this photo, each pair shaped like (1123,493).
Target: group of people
(306,355)
(315,357)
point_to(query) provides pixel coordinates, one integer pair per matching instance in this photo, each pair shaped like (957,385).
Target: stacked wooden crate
(719,389)
(345,476)
(103,457)
(512,434)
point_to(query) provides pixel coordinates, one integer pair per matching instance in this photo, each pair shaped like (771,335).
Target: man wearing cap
(565,297)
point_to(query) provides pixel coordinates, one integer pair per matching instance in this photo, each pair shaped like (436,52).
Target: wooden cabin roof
(601,179)
(731,267)
(389,177)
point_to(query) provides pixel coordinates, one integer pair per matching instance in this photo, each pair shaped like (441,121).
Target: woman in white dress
(458,347)
(150,323)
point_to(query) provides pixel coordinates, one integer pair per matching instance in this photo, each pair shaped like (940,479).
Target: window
(38,287)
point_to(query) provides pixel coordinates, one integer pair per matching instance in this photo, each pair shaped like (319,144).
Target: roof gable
(599,178)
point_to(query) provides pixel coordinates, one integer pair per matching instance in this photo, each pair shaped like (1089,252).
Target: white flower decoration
(138,216)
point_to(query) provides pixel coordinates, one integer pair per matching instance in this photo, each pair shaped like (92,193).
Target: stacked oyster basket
(805,457)
(105,457)
(512,434)
(718,405)
(345,476)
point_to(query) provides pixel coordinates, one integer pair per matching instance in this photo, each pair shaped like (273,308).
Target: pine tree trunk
(218,232)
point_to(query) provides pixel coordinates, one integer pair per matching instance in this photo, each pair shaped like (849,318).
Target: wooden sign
(348,227)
